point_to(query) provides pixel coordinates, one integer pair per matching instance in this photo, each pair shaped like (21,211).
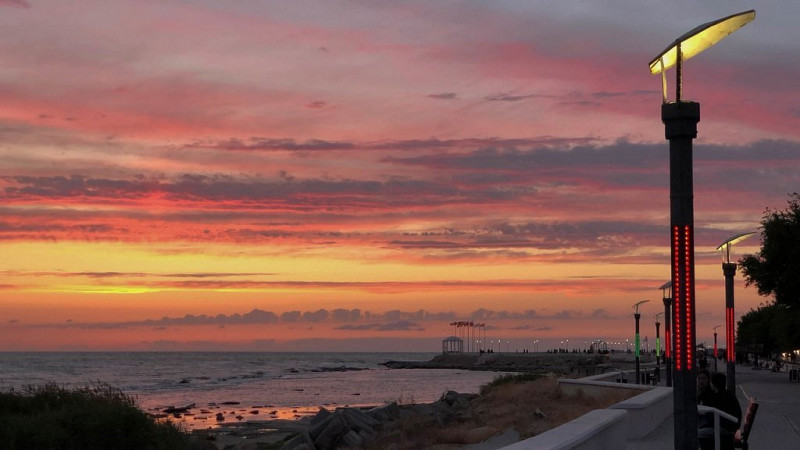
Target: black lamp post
(680,120)
(715,349)
(636,344)
(658,344)
(666,292)
(729,271)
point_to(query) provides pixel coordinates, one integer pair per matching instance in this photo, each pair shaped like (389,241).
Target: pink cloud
(15,3)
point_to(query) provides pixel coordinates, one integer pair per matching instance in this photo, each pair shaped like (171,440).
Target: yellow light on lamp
(699,39)
(726,246)
(694,42)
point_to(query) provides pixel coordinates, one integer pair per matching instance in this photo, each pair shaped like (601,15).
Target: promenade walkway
(777,424)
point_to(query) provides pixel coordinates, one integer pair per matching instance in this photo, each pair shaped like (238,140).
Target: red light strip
(667,343)
(729,335)
(677,304)
(689,308)
(683,301)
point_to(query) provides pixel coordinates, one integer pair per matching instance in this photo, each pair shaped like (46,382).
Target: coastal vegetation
(97,416)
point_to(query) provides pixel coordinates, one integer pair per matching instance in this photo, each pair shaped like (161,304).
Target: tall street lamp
(680,120)
(636,344)
(715,349)
(658,343)
(666,292)
(729,271)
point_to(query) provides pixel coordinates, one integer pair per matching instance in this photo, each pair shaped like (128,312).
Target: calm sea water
(270,381)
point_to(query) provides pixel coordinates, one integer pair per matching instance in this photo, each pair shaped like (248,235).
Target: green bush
(93,417)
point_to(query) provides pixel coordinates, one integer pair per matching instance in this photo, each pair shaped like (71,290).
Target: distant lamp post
(636,344)
(729,271)
(666,293)
(715,348)
(658,343)
(680,119)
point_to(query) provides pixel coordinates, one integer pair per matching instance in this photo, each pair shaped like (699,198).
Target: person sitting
(725,401)
(704,391)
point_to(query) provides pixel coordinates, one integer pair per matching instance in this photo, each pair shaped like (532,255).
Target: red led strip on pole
(683,306)
(731,341)
(689,308)
(677,304)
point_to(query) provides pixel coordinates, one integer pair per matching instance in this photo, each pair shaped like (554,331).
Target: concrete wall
(646,411)
(598,429)
(591,388)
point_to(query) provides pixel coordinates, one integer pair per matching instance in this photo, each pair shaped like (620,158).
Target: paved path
(777,424)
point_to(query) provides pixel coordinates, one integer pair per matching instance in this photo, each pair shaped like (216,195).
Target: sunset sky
(356,175)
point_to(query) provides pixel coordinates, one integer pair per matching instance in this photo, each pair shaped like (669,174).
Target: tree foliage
(775,269)
(769,329)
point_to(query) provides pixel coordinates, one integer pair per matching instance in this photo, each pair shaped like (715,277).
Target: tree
(775,269)
(754,333)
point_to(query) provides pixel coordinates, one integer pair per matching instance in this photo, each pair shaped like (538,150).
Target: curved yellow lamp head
(694,42)
(726,246)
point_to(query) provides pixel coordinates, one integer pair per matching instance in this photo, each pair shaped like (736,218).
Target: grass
(97,416)
(528,403)
(511,378)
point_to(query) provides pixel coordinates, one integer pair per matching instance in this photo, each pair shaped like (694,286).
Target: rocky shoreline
(346,426)
(353,426)
(567,364)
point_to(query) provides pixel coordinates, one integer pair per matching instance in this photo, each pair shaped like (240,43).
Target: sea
(215,387)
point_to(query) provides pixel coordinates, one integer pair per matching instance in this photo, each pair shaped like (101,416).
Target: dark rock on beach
(350,427)
(178,410)
(354,427)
